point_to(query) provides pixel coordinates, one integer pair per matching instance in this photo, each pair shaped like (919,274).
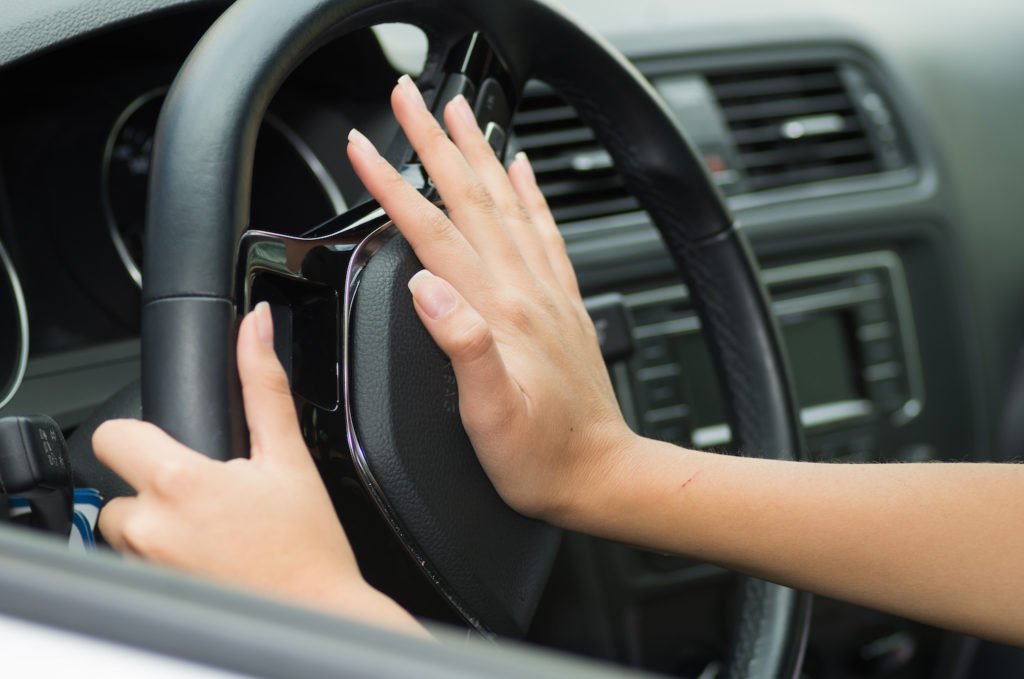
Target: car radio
(849,333)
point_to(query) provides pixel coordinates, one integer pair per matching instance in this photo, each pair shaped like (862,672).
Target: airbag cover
(491,562)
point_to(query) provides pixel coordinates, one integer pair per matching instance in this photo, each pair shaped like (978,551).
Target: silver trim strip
(130,265)
(327,183)
(14,382)
(812,418)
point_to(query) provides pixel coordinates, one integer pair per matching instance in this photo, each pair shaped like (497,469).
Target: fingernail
(432,294)
(362,144)
(465,112)
(264,324)
(523,160)
(412,93)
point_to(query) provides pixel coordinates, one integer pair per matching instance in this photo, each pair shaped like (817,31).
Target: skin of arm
(937,542)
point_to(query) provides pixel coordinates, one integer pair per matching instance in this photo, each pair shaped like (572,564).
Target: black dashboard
(870,154)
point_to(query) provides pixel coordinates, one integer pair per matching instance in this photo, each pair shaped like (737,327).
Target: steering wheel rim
(199,196)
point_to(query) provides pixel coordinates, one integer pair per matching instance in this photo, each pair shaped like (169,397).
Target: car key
(34,465)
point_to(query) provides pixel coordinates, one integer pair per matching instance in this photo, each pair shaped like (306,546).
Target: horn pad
(414,455)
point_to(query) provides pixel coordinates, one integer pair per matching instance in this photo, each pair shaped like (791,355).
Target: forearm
(940,543)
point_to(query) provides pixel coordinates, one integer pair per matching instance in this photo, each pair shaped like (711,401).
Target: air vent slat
(773,132)
(555,190)
(542,116)
(777,86)
(570,213)
(574,172)
(793,125)
(787,108)
(546,141)
(858,148)
(806,175)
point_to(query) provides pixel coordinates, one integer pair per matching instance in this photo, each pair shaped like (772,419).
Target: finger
(524,182)
(488,396)
(471,207)
(269,406)
(437,243)
(113,518)
(465,132)
(143,454)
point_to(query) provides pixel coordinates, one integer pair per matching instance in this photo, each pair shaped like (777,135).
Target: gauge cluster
(75,167)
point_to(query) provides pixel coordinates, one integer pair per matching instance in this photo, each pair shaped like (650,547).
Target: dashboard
(870,152)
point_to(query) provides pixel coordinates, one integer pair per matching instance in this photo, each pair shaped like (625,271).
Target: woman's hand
(502,301)
(265,523)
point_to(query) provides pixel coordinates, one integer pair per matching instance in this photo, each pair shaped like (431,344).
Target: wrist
(639,479)
(599,480)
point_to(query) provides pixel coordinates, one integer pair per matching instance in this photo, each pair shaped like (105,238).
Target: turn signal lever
(34,465)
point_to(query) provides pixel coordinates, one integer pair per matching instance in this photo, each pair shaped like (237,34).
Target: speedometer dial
(292,191)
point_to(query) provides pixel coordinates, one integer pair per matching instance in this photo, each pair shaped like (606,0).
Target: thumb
(488,396)
(269,407)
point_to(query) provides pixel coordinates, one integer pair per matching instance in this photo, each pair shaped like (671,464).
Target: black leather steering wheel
(368,380)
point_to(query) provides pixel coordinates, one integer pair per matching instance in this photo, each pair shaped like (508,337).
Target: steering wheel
(368,380)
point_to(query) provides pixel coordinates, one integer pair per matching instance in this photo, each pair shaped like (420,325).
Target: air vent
(575,173)
(793,126)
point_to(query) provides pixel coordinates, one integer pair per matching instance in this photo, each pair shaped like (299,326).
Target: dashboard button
(613,325)
(670,432)
(662,392)
(879,351)
(654,352)
(889,394)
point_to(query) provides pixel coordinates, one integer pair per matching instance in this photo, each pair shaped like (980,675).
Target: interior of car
(795,226)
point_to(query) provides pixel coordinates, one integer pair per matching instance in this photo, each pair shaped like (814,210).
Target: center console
(850,337)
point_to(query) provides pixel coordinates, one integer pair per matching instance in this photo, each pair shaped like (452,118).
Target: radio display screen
(822,357)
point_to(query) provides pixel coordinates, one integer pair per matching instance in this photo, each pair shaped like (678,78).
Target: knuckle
(110,520)
(472,342)
(488,417)
(516,311)
(477,195)
(435,139)
(142,536)
(554,239)
(275,382)
(523,213)
(438,226)
(110,433)
(547,302)
(395,182)
(515,210)
(101,439)
(537,201)
(171,477)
